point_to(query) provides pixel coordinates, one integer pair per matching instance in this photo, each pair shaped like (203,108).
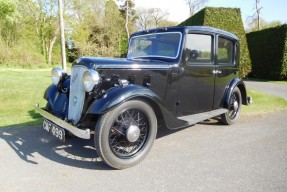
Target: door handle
(216,71)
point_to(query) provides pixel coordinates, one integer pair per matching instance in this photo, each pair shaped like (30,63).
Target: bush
(268,51)
(228,19)
(22,54)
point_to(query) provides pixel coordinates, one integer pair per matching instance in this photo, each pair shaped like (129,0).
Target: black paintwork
(173,87)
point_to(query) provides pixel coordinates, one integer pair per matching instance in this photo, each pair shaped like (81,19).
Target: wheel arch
(118,95)
(155,106)
(241,86)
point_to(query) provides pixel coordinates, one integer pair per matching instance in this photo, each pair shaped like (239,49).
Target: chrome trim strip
(133,66)
(84,134)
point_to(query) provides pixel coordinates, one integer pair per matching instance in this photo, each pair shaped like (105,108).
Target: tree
(84,22)
(158,16)
(143,20)
(255,18)
(152,18)
(42,17)
(98,29)
(113,29)
(195,5)
(253,26)
(127,9)
(8,20)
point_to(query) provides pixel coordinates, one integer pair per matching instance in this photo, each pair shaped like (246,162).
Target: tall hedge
(268,51)
(228,19)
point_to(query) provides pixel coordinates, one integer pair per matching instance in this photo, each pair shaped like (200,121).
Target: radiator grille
(77,93)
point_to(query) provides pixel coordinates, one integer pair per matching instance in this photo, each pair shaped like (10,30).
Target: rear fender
(235,83)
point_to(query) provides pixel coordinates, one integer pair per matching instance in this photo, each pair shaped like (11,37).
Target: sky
(178,9)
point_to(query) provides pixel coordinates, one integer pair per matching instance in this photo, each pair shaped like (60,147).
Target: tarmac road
(250,155)
(275,89)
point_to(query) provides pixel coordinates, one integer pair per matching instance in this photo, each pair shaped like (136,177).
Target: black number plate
(54,130)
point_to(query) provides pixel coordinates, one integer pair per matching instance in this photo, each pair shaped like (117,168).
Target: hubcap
(128,133)
(235,105)
(133,133)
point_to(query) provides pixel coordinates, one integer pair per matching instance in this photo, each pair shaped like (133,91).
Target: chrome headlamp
(57,74)
(90,79)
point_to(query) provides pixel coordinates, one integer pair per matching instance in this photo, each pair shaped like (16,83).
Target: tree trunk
(127,20)
(50,48)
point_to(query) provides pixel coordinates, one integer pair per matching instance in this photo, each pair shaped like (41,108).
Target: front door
(196,91)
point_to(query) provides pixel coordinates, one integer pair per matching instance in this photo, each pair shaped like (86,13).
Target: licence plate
(54,130)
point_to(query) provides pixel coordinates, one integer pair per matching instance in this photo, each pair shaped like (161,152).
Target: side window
(225,51)
(199,48)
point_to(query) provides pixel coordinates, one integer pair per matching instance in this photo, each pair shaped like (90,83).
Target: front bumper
(84,134)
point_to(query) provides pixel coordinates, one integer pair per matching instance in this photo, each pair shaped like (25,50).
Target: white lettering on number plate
(54,130)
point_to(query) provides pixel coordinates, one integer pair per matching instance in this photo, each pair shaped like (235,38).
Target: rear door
(227,67)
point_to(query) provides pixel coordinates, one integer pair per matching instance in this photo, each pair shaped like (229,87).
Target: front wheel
(234,107)
(125,135)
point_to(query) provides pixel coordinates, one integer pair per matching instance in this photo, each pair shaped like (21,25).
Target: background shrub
(228,19)
(268,52)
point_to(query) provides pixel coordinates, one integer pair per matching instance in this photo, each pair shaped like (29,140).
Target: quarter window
(225,50)
(199,48)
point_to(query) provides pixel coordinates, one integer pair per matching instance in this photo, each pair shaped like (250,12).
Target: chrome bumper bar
(84,134)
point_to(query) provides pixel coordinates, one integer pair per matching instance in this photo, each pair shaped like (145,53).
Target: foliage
(97,30)
(268,51)
(8,20)
(29,32)
(227,19)
(29,29)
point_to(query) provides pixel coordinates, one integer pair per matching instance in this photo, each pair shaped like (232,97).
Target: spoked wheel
(234,107)
(125,135)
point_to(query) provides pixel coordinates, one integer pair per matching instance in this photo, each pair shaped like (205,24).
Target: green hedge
(268,51)
(228,19)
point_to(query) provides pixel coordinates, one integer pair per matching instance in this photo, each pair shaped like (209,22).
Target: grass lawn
(20,89)
(263,103)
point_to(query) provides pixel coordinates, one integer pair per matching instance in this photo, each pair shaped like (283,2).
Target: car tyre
(125,135)
(234,108)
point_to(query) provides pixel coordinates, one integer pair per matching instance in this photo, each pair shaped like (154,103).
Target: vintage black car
(173,77)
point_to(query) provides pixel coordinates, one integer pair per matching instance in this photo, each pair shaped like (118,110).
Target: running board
(193,119)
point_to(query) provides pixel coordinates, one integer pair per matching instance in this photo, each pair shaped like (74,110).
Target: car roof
(187,29)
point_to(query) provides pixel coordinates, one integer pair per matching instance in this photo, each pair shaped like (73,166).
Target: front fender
(50,95)
(116,95)
(235,83)
(57,98)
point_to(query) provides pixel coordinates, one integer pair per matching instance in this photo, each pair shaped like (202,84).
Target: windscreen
(165,45)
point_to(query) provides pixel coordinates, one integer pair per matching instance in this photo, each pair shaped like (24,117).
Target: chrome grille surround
(77,93)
